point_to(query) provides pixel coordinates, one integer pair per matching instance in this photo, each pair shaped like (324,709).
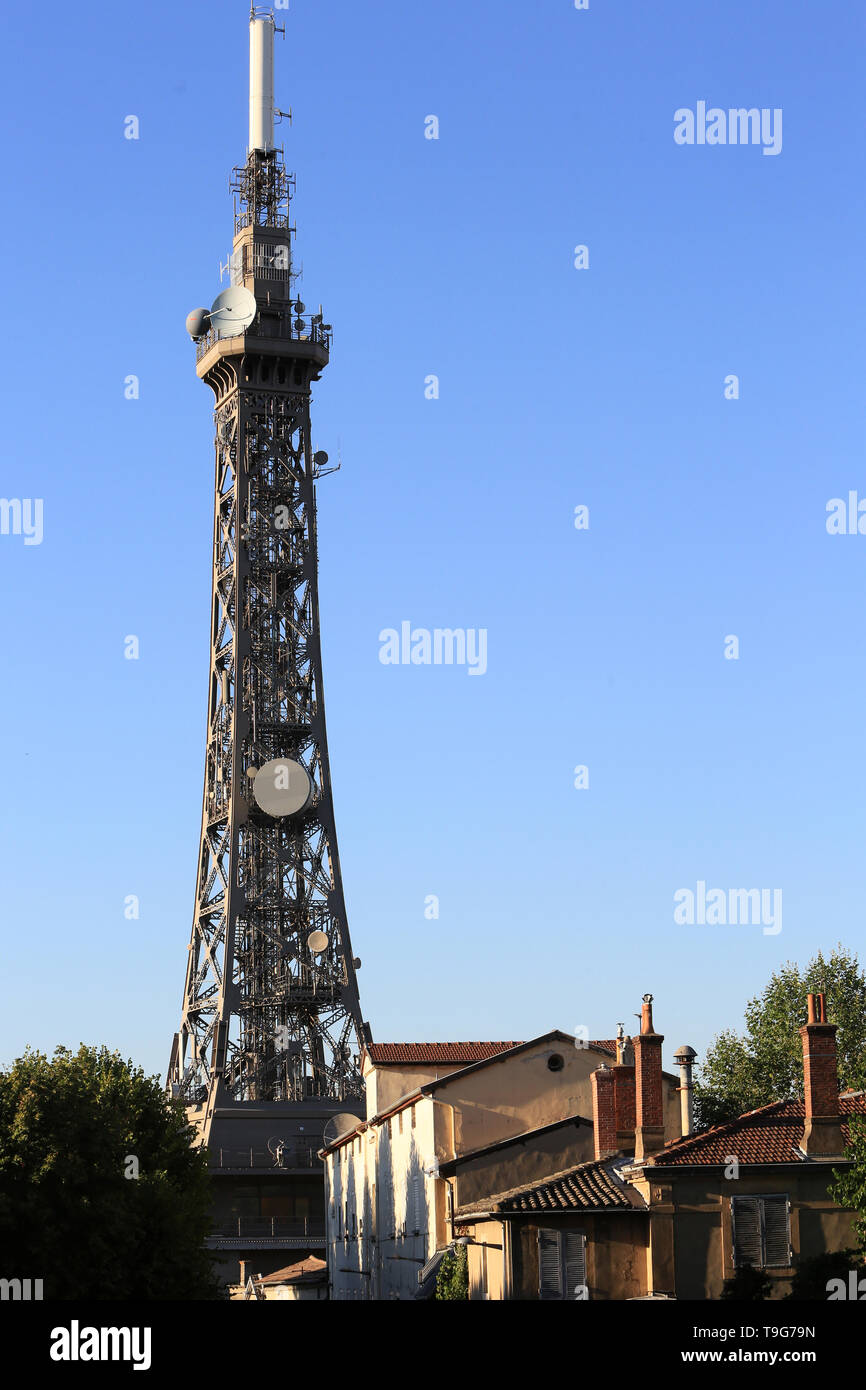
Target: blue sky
(559,387)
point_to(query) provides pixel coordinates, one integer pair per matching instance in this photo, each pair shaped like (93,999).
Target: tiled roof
(449,1053)
(771,1134)
(305,1271)
(591,1186)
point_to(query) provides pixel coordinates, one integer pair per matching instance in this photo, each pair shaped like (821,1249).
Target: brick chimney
(603,1113)
(623,1093)
(649,1102)
(822,1135)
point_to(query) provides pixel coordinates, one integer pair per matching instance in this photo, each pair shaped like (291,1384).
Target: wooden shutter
(549,1264)
(746,1218)
(777,1236)
(574,1260)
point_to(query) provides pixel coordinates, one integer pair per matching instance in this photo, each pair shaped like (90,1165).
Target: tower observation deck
(269,1039)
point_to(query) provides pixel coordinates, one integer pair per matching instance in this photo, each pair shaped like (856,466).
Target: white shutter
(549,1264)
(574,1260)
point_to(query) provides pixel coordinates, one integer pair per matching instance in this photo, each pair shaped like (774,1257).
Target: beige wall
(388,1084)
(524,1161)
(486,1262)
(615,1255)
(520,1093)
(384,1215)
(691,1252)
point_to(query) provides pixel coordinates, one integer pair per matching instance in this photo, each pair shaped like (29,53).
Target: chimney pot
(649,1096)
(646,1014)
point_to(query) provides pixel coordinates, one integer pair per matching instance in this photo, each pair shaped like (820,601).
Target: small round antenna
(197,323)
(233,310)
(317,942)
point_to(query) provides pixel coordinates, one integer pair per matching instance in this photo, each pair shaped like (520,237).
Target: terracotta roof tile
(305,1271)
(450,1053)
(771,1134)
(590,1186)
(454,1053)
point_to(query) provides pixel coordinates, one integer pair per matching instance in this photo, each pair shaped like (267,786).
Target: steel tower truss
(265,1017)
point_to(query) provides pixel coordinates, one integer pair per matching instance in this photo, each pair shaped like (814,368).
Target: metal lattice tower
(268,1021)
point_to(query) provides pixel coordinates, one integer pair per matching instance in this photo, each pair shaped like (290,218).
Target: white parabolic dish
(282,787)
(233,310)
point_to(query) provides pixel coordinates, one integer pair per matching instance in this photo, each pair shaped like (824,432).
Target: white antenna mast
(262,28)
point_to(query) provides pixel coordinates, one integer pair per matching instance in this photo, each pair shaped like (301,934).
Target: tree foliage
(812,1277)
(452,1280)
(75,1130)
(747,1285)
(848,1188)
(742,1071)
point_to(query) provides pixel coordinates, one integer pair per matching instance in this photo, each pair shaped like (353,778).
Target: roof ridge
(443,1042)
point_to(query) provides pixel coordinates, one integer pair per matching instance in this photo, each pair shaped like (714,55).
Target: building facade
(444,1121)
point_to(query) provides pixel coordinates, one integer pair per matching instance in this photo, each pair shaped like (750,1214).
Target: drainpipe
(449,1216)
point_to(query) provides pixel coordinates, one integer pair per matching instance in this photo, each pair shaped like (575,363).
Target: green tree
(742,1071)
(748,1285)
(101,1194)
(452,1280)
(848,1188)
(812,1277)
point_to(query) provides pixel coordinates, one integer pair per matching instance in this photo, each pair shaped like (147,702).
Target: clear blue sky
(559,387)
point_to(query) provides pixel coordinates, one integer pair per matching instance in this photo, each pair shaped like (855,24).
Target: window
(412,1113)
(761,1231)
(561,1264)
(400,1122)
(555,1062)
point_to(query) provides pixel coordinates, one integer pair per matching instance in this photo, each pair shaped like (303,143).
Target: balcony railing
(265,1227)
(243,1160)
(305,328)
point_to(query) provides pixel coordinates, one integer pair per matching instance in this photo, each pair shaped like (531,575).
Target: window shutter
(549,1264)
(746,1215)
(575,1264)
(777,1236)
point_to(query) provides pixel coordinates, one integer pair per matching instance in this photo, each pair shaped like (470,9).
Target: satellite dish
(233,310)
(277,1150)
(282,787)
(299,306)
(197,323)
(337,1126)
(320,459)
(318,942)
